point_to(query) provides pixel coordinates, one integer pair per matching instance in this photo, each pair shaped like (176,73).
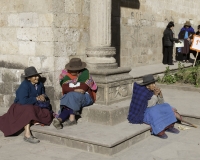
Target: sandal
(69,123)
(57,124)
(31,139)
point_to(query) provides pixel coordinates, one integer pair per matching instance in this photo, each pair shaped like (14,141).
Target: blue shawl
(139,102)
(190,29)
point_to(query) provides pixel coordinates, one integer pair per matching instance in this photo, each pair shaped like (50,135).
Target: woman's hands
(79,90)
(41,98)
(157,92)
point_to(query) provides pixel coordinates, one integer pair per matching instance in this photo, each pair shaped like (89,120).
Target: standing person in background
(186,34)
(168,42)
(198,32)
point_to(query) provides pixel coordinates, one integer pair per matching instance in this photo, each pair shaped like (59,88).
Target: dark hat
(148,79)
(170,24)
(75,64)
(30,71)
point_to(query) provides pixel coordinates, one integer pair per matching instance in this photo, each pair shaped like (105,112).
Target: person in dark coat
(198,32)
(186,33)
(168,42)
(24,110)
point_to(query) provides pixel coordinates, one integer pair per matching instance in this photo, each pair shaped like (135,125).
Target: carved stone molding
(101,52)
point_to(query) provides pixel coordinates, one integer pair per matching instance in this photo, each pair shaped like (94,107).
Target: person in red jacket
(79,90)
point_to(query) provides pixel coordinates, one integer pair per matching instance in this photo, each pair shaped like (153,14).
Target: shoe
(31,139)
(171,64)
(164,136)
(173,130)
(77,113)
(69,123)
(57,124)
(183,61)
(187,61)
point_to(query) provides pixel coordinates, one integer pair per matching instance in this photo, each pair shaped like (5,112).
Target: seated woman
(24,110)
(147,106)
(79,90)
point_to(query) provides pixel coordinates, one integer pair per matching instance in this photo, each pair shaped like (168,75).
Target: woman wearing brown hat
(78,89)
(25,109)
(186,33)
(147,106)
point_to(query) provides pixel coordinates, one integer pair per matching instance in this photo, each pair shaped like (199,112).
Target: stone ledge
(179,86)
(94,137)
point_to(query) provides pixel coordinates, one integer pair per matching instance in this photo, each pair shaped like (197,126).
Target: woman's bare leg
(72,117)
(27,132)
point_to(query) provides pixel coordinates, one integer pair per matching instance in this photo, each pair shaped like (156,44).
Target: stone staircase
(104,129)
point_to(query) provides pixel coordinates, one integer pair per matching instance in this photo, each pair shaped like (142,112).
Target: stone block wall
(142,23)
(40,33)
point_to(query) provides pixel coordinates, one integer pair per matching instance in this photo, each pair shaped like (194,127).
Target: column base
(114,85)
(101,57)
(92,66)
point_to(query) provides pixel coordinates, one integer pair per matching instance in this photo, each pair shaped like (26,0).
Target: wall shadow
(115,22)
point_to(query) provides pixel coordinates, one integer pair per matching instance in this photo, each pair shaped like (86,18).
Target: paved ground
(184,146)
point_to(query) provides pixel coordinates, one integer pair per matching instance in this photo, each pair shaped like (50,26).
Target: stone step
(95,138)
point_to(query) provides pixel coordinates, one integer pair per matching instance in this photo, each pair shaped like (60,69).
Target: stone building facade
(47,33)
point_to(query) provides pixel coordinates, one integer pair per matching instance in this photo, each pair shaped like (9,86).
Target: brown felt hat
(75,64)
(187,23)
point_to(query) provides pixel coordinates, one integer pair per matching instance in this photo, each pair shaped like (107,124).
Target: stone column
(100,53)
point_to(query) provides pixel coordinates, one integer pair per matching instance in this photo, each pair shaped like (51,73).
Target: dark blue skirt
(76,100)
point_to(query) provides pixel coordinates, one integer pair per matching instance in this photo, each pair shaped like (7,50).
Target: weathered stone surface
(27,48)
(13,20)
(115,85)
(45,20)
(74,20)
(27,34)
(61,20)
(8,100)
(44,49)
(59,34)
(73,6)
(3,20)
(45,34)
(8,48)
(28,19)
(97,138)
(42,6)
(8,34)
